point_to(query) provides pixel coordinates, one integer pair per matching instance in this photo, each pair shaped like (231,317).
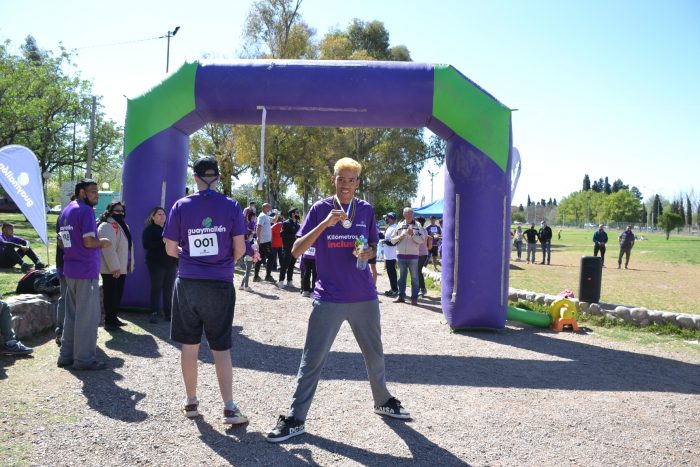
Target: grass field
(663,275)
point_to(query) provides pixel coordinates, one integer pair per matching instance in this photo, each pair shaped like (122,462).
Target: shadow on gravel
(106,397)
(581,366)
(139,345)
(241,447)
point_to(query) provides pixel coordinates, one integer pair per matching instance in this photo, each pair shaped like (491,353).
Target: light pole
(167,56)
(432,176)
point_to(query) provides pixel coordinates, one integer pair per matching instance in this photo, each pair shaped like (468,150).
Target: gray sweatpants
(324,324)
(82,319)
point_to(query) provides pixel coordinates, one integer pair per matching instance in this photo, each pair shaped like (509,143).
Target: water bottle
(361,245)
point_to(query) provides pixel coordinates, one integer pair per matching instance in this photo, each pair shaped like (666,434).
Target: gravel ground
(523,396)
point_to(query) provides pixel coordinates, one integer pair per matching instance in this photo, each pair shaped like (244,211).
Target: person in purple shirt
(77,236)
(205,230)
(343,292)
(13,249)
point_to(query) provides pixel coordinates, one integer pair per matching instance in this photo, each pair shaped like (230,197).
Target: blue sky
(608,88)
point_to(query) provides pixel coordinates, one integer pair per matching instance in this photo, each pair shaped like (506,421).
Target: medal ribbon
(350,207)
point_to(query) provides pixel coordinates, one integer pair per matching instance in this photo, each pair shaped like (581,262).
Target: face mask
(118,217)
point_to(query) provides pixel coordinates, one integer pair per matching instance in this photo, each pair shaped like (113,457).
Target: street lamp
(169,35)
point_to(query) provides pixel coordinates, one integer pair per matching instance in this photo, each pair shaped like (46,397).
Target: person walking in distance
(531,251)
(545,236)
(344,291)
(626,239)
(264,236)
(290,227)
(600,238)
(390,255)
(205,230)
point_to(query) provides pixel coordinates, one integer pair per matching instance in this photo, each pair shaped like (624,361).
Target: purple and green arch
(475,126)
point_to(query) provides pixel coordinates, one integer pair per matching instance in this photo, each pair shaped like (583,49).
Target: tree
(529,202)
(586,183)
(597,187)
(620,207)
(521,208)
(275,29)
(637,194)
(607,189)
(669,221)
(618,185)
(656,210)
(47,109)
(689,212)
(681,209)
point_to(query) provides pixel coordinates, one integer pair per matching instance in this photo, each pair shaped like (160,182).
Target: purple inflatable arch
(476,127)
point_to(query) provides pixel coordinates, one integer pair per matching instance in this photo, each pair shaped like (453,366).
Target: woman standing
(116,261)
(518,242)
(162,269)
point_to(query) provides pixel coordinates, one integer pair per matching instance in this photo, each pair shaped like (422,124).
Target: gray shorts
(203,305)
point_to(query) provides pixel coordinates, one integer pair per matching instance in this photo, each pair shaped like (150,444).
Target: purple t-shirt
(204,227)
(77,220)
(339,280)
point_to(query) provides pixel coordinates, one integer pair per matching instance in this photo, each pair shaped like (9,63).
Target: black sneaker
(391,293)
(392,408)
(257,279)
(270,279)
(153,319)
(39,265)
(16,348)
(190,410)
(25,268)
(286,428)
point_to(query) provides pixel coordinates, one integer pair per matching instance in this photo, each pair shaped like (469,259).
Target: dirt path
(523,396)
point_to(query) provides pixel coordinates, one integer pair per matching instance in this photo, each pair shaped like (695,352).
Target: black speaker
(590,280)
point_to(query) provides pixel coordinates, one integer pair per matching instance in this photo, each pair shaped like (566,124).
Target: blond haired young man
(343,292)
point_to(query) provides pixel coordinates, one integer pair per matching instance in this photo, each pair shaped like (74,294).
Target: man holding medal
(205,230)
(343,292)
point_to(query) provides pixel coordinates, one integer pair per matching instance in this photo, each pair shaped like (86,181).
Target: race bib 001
(65,238)
(203,245)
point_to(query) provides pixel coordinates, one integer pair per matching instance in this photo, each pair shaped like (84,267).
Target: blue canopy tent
(432,209)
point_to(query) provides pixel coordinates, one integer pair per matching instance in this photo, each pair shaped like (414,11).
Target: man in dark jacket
(545,236)
(627,239)
(531,236)
(600,238)
(290,227)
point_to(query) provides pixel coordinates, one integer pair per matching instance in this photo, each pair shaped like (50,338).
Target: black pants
(287,265)
(422,261)
(162,283)
(112,291)
(265,250)
(308,277)
(277,258)
(390,265)
(12,255)
(626,251)
(601,248)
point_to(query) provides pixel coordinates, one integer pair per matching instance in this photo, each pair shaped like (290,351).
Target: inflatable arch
(476,127)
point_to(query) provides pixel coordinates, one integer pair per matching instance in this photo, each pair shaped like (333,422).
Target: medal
(347,223)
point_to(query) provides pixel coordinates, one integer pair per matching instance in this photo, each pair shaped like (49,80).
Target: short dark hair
(83,184)
(205,163)
(292,211)
(7,225)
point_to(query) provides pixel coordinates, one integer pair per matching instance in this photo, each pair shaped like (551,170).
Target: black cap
(392,215)
(205,163)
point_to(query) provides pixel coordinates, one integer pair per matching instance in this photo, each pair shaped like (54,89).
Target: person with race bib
(205,230)
(308,273)
(344,291)
(81,266)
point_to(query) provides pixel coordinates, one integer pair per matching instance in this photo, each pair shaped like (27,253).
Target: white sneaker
(248,289)
(290,284)
(241,287)
(280,284)
(306,294)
